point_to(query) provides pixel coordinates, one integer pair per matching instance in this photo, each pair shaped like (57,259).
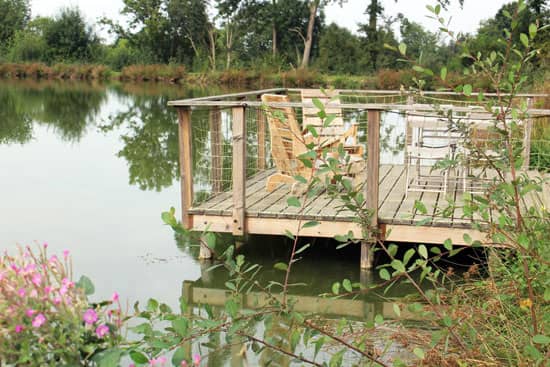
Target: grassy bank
(172,73)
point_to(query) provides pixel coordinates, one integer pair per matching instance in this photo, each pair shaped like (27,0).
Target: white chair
(431,140)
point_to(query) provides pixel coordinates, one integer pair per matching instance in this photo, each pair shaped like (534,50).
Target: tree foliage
(14,16)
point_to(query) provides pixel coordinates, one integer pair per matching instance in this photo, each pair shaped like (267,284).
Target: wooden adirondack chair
(287,143)
(336,133)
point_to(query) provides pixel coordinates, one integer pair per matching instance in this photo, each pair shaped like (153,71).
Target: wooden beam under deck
(328,229)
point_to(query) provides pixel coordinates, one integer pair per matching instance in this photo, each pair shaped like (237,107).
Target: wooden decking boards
(396,210)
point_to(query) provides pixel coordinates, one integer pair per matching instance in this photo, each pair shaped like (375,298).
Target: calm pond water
(90,167)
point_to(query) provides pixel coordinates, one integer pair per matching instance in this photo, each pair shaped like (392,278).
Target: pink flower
(53,260)
(47,289)
(102,330)
(63,290)
(115,297)
(197,359)
(33,293)
(39,320)
(45,245)
(57,300)
(66,254)
(183,363)
(21,292)
(90,316)
(160,361)
(30,312)
(37,279)
(66,282)
(18,328)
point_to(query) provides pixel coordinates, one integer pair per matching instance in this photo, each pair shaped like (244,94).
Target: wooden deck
(249,209)
(269,213)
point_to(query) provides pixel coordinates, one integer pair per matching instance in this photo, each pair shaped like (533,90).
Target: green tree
(14,16)
(69,38)
(339,51)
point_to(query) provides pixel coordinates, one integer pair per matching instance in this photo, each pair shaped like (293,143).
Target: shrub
(45,317)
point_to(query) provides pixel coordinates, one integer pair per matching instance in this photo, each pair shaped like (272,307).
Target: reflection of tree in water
(150,136)
(65,106)
(15,122)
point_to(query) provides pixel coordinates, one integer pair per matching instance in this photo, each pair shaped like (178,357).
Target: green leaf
(300,179)
(310,224)
(467,90)
(138,357)
(467,238)
(317,102)
(336,288)
(398,265)
(346,283)
(532,30)
(379,319)
(384,274)
(541,339)
(437,9)
(423,251)
(210,239)
(328,120)
(152,305)
(408,254)
(178,356)
(523,240)
(231,286)
(418,68)
(302,249)
(448,244)
(443,73)
(447,321)
(281,266)
(419,353)
(396,310)
(86,285)
(181,326)
(293,201)
(524,39)
(109,358)
(403,49)
(289,234)
(418,205)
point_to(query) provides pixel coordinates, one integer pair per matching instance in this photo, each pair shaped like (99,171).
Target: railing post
(239,170)
(216,149)
(527,137)
(261,138)
(186,164)
(371,194)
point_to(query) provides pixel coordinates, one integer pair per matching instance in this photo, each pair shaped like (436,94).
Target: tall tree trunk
(229,44)
(274,39)
(274,28)
(313,6)
(212,39)
(374,9)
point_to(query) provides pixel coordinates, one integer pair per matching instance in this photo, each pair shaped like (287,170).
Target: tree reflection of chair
(337,132)
(288,143)
(431,140)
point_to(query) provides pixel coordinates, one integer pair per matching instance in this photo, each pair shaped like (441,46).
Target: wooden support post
(216,149)
(186,164)
(239,170)
(528,128)
(371,194)
(261,139)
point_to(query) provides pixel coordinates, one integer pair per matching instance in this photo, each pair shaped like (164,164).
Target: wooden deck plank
(394,210)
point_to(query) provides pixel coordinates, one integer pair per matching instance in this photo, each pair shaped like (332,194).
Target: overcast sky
(352,13)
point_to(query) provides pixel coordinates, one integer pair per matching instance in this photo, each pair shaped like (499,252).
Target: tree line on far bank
(271,35)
